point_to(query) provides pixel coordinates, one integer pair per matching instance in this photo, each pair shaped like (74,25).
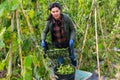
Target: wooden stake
(96,36)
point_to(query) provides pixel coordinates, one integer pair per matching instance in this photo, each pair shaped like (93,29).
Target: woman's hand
(43,43)
(71,43)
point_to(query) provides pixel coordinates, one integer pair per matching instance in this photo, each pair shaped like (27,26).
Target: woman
(62,31)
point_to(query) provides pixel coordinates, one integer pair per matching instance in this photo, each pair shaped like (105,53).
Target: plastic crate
(56,53)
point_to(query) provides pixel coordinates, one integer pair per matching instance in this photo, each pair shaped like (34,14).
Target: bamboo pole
(86,31)
(96,36)
(101,28)
(19,39)
(10,51)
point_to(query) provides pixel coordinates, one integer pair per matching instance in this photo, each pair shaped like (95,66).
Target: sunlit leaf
(1,11)
(2,32)
(31,14)
(2,44)
(2,64)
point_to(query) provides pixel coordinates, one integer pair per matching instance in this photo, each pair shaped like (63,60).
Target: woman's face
(55,12)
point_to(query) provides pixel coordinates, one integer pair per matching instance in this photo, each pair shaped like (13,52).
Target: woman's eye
(56,11)
(53,11)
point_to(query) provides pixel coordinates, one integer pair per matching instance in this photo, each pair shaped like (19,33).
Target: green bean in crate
(55,53)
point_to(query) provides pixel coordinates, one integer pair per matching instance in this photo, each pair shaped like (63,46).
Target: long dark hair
(52,5)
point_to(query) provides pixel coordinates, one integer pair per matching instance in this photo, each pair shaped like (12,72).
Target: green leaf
(15,4)
(28,61)
(1,12)
(2,8)
(31,14)
(2,65)
(28,75)
(1,44)
(35,62)
(7,6)
(2,32)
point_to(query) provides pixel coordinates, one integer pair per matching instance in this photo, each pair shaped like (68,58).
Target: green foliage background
(82,13)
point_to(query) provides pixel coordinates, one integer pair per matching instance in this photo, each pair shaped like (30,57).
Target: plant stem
(10,52)
(19,39)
